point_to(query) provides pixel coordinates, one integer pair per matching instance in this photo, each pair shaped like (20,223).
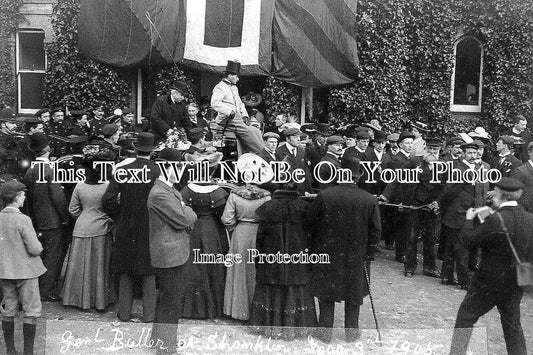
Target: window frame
(19,71)
(467,108)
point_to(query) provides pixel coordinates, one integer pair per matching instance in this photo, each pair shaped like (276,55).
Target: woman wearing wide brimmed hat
(239,218)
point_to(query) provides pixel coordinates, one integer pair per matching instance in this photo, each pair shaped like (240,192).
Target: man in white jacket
(227,102)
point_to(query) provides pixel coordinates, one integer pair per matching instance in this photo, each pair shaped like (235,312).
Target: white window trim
(18,70)
(467,108)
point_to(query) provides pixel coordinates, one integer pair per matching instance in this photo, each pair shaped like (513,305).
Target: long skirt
(240,278)
(87,282)
(285,312)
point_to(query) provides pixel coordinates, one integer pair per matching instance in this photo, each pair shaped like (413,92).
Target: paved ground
(415,314)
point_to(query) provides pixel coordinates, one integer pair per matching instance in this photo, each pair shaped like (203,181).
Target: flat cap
(362,135)
(507,140)
(334,140)
(433,142)
(268,135)
(472,145)
(11,188)
(291,132)
(509,184)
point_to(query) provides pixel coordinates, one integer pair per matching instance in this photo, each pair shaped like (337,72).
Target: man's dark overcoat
(131,251)
(325,171)
(345,223)
(167,114)
(296,162)
(524,174)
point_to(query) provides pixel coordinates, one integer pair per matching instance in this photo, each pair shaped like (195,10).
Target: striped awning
(308,43)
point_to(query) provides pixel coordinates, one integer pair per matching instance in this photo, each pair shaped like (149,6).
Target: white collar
(378,153)
(508,203)
(359,149)
(405,153)
(45,159)
(504,155)
(202,189)
(332,154)
(11,208)
(530,163)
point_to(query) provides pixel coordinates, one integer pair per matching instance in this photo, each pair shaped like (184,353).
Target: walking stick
(367,279)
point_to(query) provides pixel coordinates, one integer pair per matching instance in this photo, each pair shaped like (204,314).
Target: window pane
(31,51)
(467,71)
(31,90)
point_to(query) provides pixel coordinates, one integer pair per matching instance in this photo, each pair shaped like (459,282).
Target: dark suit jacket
(353,152)
(496,271)
(126,204)
(200,123)
(379,186)
(269,186)
(296,162)
(46,202)
(325,173)
(166,114)
(524,174)
(507,165)
(457,198)
(170,226)
(315,153)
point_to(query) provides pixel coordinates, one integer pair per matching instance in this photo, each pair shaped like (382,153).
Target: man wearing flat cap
(48,208)
(131,250)
(330,162)
(454,200)
(405,142)
(420,222)
(169,111)
(292,153)
(495,283)
(225,100)
(271,140)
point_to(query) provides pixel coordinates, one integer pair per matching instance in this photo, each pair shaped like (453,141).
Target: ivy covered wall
(10,18)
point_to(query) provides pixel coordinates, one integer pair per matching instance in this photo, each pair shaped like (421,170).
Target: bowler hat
(41,111)
(380,136)
(109,129)
(334,140)
(509,184)
(145,142)
(233,67)
(322,129)
(405,135)
(11,188)
(268,135)
(181,87)
(38,141)
(170,154)
(308,128)
(195,134)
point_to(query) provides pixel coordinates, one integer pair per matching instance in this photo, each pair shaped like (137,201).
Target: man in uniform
(58,129)
(231,110)
(9,146)
(495,283)
(98,121)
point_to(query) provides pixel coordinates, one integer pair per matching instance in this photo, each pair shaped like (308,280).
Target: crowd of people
(153,232)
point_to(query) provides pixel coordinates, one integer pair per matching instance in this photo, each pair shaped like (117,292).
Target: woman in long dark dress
(203,295)
(283,304)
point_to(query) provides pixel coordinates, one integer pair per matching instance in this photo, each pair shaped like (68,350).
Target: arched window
(467,75)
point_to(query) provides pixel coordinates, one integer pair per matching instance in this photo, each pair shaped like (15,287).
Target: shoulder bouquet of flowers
(177,139)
